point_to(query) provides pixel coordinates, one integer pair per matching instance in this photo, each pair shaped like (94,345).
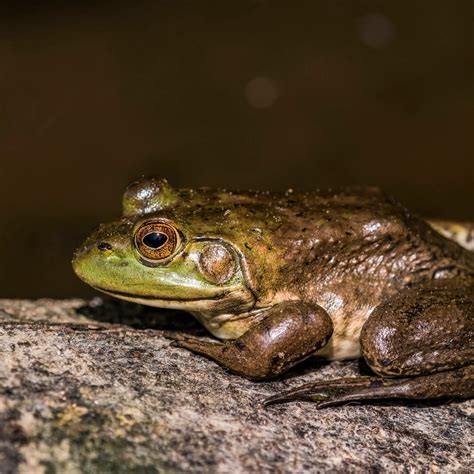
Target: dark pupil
(155,240)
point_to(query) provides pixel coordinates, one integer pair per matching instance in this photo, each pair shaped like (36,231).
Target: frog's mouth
(123,294)
(234,298)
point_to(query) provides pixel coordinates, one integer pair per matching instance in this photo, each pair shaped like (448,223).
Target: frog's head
(168,250)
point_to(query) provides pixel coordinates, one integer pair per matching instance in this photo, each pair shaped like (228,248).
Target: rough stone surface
(90,387)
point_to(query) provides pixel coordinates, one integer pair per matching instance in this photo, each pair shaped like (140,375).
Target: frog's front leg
(423,335)
(289,333)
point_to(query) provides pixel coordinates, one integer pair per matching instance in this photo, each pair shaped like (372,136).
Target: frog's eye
(156,240)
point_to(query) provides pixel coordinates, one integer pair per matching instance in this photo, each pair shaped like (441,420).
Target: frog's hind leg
(423,336)
(457,383)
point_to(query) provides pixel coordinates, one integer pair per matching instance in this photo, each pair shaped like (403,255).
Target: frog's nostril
(104,246)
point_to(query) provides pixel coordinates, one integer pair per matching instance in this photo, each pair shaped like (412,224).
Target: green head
(180,249)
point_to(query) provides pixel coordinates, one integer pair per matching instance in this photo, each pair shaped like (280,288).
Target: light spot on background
(261,92)
(376,30)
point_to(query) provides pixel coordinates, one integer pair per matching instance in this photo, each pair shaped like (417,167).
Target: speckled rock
(90,387)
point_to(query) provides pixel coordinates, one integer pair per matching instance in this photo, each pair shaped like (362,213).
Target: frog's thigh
(424,335)
(290,332)
(422,330)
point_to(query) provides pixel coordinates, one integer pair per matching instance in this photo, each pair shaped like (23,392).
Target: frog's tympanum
(281,277)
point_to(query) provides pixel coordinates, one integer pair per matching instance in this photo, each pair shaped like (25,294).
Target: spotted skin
(277,277)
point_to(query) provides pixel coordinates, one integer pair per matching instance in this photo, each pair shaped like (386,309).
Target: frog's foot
(453,383)
(322,391)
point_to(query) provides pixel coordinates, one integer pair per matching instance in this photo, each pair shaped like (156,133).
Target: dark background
(248,94)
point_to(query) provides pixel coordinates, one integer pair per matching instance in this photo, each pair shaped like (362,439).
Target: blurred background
(248,94)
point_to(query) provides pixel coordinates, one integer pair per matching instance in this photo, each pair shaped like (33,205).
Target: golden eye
(156,240)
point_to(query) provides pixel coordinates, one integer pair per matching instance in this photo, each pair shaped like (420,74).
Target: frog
(278,277)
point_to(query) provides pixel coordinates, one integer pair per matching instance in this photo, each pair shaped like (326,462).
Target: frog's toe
(299,394)
(180,337)
(325,393)
(171,335)
(199,345)
(175,337)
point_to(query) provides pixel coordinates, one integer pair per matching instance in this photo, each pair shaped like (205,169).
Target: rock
(90,387)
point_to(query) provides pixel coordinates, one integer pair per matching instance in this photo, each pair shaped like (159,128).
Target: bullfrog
(279,277)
